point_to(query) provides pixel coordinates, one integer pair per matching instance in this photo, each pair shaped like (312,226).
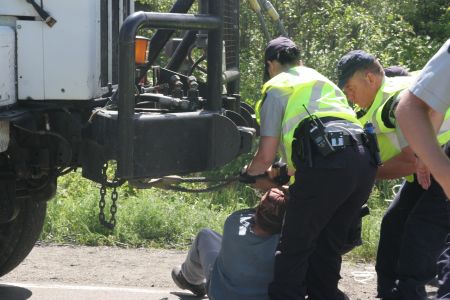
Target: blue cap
(350,63)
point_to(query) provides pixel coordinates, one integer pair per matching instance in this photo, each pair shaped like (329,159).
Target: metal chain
(102,203)
(113,208)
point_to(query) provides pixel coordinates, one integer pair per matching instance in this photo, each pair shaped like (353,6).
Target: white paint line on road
(88,288)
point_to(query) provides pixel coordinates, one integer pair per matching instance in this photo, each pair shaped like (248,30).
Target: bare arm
(265,155)
(401,165)
(417,121)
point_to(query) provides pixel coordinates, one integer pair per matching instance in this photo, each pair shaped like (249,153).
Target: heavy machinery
(78,90)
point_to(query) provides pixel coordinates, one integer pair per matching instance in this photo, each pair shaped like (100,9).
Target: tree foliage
(398,32)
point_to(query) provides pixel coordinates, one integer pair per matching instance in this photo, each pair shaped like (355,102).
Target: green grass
(371,225)
(153,217)
(159,218)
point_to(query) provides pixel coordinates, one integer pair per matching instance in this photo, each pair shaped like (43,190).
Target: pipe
(254,4)
(230,75)
(272,12)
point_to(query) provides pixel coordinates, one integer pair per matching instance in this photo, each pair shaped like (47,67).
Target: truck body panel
(65,105)
(7,65)
(65,61)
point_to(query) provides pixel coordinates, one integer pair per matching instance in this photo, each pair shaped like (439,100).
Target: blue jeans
(201,256)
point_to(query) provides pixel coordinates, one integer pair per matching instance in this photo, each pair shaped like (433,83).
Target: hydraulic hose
(273,14)
(257,9)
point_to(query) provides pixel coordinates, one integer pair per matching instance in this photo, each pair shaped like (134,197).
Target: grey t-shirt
(244,266)
(433,83)
(272,112)
(273,108)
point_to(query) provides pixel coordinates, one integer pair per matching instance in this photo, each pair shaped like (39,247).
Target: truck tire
(19,236)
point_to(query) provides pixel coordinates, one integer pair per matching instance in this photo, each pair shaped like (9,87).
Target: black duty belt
(342,139)
(339,133)
(342,133)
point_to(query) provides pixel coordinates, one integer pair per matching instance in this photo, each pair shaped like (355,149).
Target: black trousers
(412,237)
(325,200)
(444,260)
(444,273)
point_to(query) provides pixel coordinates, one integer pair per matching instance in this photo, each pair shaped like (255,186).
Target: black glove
(244,177)
(283,177)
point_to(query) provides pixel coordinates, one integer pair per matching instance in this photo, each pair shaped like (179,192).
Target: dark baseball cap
(393,71)
(273,48)
(276,45)
(350,63)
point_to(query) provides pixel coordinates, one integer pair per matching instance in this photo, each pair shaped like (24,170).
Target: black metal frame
(211,22)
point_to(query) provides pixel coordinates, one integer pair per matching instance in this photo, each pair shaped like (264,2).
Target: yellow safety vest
(386,132)
(307,88)
(386,135)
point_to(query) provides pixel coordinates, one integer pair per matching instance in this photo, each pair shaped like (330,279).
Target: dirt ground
(140,268)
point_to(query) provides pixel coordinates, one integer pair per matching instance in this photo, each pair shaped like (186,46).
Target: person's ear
(270,68)
(372,78)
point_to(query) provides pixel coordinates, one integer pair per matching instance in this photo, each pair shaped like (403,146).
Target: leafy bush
(326,30)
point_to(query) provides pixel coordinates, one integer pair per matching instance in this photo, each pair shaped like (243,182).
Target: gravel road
(139,269)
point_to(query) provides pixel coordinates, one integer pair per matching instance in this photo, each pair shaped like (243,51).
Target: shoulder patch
(387,114)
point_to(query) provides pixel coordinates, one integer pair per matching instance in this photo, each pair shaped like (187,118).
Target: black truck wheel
(18,237)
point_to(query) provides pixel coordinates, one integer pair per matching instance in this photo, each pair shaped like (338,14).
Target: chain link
(102,203)
(113,208)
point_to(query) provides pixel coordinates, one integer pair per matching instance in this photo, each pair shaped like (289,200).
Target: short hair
(288,56)
(270,210)
(375,68)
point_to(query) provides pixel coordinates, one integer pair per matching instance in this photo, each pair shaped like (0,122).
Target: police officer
(307,117)
(421,110)
(415,225)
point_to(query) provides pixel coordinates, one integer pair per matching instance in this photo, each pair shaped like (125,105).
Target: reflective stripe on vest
(386,136)
(310,89)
